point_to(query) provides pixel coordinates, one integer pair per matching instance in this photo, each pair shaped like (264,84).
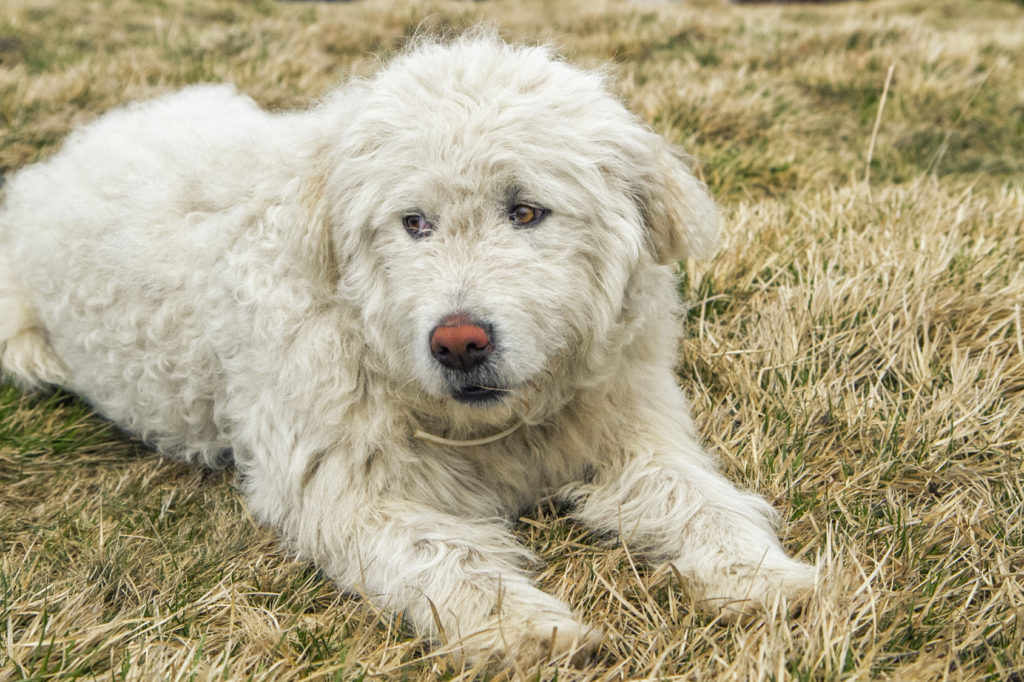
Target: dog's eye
(523,215)
(416,225)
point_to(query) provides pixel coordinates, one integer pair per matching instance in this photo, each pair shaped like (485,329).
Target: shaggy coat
(283,290)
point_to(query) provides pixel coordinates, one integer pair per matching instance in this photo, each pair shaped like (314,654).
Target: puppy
(406,313)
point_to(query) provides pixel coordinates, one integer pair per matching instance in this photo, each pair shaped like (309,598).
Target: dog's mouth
(478,395)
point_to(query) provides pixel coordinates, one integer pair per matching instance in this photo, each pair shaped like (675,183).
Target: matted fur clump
(350,300)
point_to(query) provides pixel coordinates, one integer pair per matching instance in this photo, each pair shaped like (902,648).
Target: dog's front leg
(661,492)
(400,542)
(461,583)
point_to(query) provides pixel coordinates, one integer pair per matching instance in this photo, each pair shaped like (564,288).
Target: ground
(855,352)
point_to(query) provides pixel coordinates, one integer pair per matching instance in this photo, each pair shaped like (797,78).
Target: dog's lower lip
(477,394)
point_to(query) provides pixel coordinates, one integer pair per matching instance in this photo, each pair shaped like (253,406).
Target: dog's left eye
(416,225)
(524,215)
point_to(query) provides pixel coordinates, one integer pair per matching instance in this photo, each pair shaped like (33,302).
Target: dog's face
(492,206)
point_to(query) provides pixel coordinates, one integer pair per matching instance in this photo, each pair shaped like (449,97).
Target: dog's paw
(740,590)
(572,642)
(29,360)
(525,643)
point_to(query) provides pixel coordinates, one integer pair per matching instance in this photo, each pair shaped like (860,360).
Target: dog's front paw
(567,641)
(741,589)
(525,642)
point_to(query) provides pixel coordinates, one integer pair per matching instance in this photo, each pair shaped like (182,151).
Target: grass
(855,352)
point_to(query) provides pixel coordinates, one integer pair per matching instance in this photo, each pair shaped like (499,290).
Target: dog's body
(478,238)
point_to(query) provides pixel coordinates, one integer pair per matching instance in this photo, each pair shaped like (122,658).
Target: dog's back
(138,207)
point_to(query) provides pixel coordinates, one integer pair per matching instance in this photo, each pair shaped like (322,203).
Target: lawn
(855,352)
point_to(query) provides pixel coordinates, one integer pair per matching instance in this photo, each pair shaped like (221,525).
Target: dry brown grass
(856,352)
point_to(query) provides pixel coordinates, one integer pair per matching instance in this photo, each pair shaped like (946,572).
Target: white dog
(406,313)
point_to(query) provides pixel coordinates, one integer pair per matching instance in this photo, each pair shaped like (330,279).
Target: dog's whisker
(496,388)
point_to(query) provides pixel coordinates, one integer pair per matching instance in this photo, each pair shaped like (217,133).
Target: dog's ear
(310,236)
(682,218)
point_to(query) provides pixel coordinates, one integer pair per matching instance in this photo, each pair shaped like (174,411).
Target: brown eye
(524,215)
(416,225)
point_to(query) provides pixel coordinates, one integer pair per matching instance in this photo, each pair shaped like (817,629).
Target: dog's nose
(461,342)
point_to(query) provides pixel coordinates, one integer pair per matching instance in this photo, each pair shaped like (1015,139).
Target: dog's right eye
(416,225)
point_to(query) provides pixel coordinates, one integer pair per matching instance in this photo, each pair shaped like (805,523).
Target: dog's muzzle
(462,344)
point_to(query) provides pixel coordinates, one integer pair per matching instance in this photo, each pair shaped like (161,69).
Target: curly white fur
(221,280)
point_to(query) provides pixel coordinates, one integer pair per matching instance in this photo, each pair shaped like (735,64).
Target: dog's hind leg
(25,353)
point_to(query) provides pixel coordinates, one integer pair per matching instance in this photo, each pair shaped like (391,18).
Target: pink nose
(461,342)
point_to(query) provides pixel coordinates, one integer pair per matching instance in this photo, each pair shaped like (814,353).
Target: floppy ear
(317,239)
(682,218)
(300,224)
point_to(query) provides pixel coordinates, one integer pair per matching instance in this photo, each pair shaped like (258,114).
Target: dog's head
(490,207)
